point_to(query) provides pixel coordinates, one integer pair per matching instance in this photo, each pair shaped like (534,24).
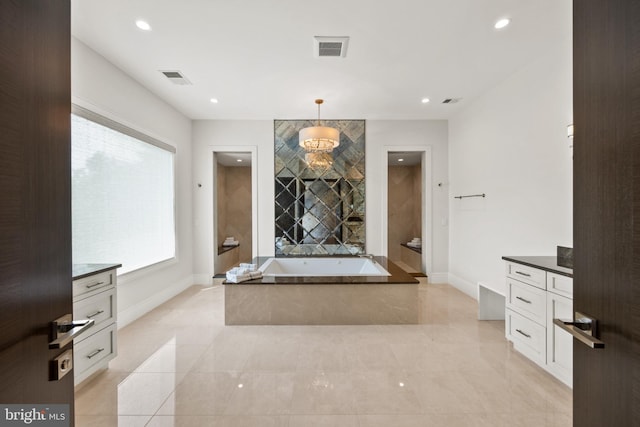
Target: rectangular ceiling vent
(176,77)
(330,47)
(451,100)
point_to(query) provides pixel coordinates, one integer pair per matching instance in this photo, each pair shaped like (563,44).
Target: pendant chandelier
(319,161)
(319,139)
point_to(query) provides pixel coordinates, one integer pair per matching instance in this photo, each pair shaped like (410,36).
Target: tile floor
(180,366)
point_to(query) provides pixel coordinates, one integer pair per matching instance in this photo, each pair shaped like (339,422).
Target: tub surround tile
(311,304)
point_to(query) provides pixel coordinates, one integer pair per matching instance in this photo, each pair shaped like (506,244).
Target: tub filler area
(324,291)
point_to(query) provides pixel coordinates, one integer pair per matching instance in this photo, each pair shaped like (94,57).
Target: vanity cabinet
(95,297)
(534,297)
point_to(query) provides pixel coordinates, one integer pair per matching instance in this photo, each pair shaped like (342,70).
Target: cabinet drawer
(94,283)
(100,307)
(561,285)
(527,300)
(93,350)
(527,336)
(530,275)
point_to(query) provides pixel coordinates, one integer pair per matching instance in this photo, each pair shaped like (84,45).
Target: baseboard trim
(438,277)
(134,312)
(463,285)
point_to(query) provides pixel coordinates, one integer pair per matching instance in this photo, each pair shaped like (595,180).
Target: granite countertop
(398,276)
(84,270)
(547,263)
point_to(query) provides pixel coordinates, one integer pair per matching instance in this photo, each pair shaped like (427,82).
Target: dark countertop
(85,270)
(418,250)
(547,263)
(398,276)
(223,249)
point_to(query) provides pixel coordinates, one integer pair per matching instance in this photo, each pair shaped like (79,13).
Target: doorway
(233,219)
(405,204)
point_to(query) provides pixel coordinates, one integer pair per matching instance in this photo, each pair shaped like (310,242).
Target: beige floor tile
(323,421)
(217,421)
(144,393)
(179,365)
(172,358)
(385,393)
(99,396)
(323,393)
(201,394)
(262,393)
(111,421)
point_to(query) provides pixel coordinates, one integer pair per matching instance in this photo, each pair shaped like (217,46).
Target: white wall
(211,135)
(383,136)
(512,144)
(225,135)
(98,85)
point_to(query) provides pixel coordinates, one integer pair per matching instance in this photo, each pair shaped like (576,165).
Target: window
(122,194)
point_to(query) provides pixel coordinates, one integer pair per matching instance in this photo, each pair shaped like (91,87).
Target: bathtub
(324,291)
(322,267)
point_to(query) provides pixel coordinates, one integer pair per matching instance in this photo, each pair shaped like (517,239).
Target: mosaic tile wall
(320,208)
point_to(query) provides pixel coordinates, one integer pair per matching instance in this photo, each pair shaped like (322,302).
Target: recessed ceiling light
(213,100)
(501,23)
(425,100)
(143,25)
(401,160)
(239,160)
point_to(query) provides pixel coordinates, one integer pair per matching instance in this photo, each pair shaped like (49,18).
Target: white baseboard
(438,277)
(136,311)
(463,285)
(202,279)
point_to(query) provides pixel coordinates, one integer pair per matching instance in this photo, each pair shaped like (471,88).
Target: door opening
(405,216)
(232,218)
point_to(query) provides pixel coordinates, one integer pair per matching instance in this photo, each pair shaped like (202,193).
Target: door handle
(65,329)
(583,328)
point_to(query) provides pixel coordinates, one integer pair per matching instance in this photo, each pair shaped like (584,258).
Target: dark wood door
(606,70)
(35,202)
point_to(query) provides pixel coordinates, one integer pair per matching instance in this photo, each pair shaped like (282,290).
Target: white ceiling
(239,159)
(256,56)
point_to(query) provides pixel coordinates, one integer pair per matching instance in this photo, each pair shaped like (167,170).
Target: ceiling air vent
(176,77)
(451,100)
(330,47)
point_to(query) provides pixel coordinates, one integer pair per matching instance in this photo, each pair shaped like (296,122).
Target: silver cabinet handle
(65,329)
(583,328)
(523,274)
(92,315)
(95,353)
(523,333)
(93,285)
(524,300)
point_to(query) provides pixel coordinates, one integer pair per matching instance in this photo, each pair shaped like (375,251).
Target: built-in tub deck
(324,300)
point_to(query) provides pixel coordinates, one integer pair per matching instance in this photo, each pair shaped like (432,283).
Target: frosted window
(122,196)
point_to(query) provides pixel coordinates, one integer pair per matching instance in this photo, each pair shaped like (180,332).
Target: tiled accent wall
(319,209)
(405,207)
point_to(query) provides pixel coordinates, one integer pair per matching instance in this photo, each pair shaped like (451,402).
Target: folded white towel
(238,278)
(250,267)
(234,243)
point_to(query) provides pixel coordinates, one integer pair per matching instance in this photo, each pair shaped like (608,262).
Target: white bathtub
(283,267)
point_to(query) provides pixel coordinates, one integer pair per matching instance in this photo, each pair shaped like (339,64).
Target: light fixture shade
(319,160)
(319,139)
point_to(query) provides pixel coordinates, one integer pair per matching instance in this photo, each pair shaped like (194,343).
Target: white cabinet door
(559,342)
